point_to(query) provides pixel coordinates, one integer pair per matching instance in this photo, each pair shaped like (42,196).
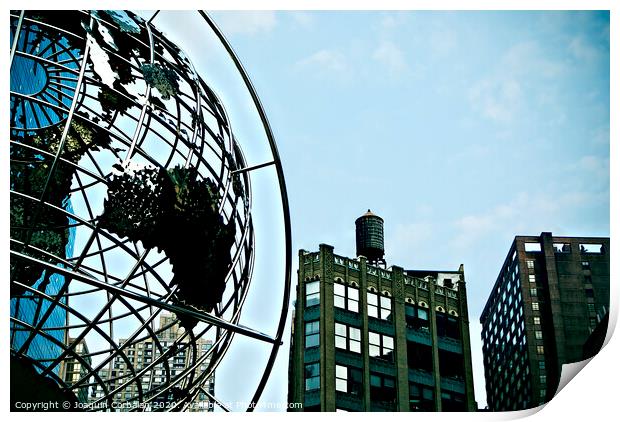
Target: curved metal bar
(200,316)
(285,206)
(145,106)
(16,36)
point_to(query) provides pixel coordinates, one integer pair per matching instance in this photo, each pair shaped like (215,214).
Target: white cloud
(507,88)
(595,166)
(498,98)
(303,19)
(325,59)
(600,135)
(442,39)
(246,22)
(581,49)
(392,20)
(527,213)
(390,56)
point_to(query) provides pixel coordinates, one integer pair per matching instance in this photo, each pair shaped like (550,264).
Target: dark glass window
(447,326)
(416,318)
(452,402)
(382,389)
(313,377)
(421,398)
(349,380)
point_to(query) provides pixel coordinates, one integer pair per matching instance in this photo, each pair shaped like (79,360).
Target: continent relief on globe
(173,211)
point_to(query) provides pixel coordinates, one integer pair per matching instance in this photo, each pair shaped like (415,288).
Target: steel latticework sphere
(132,241)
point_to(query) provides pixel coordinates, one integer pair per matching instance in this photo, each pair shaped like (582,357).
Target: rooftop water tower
(369,237)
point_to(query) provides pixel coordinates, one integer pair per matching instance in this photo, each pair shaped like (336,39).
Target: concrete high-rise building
(550,295)
(141,355)
(74,370)
(370,338)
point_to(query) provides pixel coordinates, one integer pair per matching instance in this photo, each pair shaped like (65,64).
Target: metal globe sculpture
(130,214)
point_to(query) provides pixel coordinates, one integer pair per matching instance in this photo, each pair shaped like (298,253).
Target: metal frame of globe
(142,292)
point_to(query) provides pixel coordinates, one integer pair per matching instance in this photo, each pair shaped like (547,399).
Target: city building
(30,310)
(142,354)
(550,295)
(370,338)
(74,370)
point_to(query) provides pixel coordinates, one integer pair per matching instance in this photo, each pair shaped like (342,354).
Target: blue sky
(460,129)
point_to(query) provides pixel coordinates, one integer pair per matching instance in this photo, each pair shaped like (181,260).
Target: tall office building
(74,370)
(29,308)
(141,355)
(549,296)
(370,338)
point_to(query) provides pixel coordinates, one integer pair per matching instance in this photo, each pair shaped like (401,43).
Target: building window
(421,398)
(453,402)
(536,320)
(540,350)
(585,265)
(543,379)
(530,264)
(349,380)
(532,247)
(535,306)
(416,318)
(346,297)
(561,247)
(447,326)
(341,379)
(532,278)
(312,334)
(313,376)
(380,346)
(591,307)
(348,338)
(589,293)
(533,292)
(538,335)
(312,293)
(543,393)
(541,364)
(379,306)
(382,388)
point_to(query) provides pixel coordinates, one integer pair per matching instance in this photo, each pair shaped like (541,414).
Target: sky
(460,129)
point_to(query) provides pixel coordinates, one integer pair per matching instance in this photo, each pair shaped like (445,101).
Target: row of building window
(347,297)
(349,380)
(349,338)
(380,307)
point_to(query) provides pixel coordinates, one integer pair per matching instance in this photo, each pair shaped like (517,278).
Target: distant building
(370,338)
(75,370)
(141,354)
(551,293)
(29,308)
